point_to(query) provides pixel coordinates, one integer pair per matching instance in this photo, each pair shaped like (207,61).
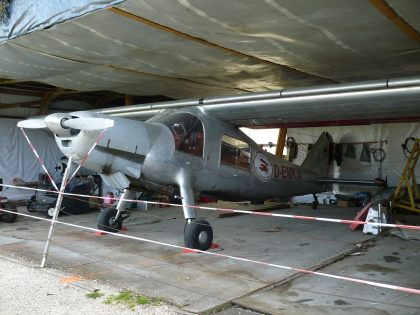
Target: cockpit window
(235,152)
(187,131)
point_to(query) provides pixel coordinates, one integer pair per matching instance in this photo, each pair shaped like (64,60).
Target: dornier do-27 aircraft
(192,147)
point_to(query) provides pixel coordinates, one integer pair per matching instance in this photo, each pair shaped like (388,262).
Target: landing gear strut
(198,233)
(315,203)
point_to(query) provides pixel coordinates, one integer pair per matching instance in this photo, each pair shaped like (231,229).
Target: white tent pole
(56,211)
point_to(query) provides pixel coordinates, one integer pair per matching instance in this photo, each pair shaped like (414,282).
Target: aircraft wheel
(49,213)
(30,208)
(107,222)
(31,204)
(198,234)
(314,204)
(9,217)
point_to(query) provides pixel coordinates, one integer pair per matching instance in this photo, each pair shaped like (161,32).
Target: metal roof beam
(391,14)
(48,98)
(29,104)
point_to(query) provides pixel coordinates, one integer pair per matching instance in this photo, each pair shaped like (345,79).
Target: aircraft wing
(368,102)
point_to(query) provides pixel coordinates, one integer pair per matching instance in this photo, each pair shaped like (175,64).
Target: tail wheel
(314,204)
(107,220)
(198,234)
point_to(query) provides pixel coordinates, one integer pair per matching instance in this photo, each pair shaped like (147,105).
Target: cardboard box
(346,203)
(95,203)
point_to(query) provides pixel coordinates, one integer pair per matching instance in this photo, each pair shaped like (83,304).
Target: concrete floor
(200,283)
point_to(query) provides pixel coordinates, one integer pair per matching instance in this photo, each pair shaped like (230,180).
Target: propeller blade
(36,123)
(88,123)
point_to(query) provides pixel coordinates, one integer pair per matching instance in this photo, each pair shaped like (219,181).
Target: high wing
(380,101)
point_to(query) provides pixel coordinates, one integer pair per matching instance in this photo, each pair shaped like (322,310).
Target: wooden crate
(346,203)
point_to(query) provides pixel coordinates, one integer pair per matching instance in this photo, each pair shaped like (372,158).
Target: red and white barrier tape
(39,159)
(86,156)
(367,282)
(271,214)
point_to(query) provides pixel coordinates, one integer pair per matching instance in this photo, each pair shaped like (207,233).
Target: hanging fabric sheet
(365,156)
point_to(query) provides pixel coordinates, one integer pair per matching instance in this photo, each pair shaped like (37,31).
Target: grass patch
(94,294)
(131,299)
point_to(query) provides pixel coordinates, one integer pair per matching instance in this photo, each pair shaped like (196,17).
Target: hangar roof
(192,49)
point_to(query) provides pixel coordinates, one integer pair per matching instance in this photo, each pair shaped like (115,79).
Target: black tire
(107,222)
(30,206)
(314,204)
(9,217)
(198,234)
(49,213)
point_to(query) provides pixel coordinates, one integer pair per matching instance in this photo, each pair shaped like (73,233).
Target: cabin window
(188,133)
(235,152)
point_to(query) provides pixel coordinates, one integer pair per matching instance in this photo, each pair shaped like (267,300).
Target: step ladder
(406,195)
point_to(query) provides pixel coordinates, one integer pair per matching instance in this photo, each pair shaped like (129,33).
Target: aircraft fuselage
(223,162)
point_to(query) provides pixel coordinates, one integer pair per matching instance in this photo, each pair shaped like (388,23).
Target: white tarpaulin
(186,49)
(18,160)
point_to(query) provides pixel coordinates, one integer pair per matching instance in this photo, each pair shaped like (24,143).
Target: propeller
(62,124)
(36,123)
(88,123)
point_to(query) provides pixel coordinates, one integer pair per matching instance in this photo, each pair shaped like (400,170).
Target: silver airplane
(190,150)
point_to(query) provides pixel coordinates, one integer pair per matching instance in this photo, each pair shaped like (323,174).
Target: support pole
(281,140)
(56,211)
(128,99)
(48,98)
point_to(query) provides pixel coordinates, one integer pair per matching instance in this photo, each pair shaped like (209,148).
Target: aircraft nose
(64,125)
(56,123)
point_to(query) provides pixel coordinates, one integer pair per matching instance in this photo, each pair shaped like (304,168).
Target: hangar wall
(18,160)
(394,134)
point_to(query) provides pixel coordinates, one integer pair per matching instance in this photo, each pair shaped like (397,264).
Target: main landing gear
(198,233)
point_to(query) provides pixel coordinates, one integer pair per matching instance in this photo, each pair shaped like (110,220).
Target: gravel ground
(25,289)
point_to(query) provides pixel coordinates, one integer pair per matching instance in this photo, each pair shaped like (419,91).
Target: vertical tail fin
(320,155)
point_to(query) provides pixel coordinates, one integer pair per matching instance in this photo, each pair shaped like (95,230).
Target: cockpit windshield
(188,132)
